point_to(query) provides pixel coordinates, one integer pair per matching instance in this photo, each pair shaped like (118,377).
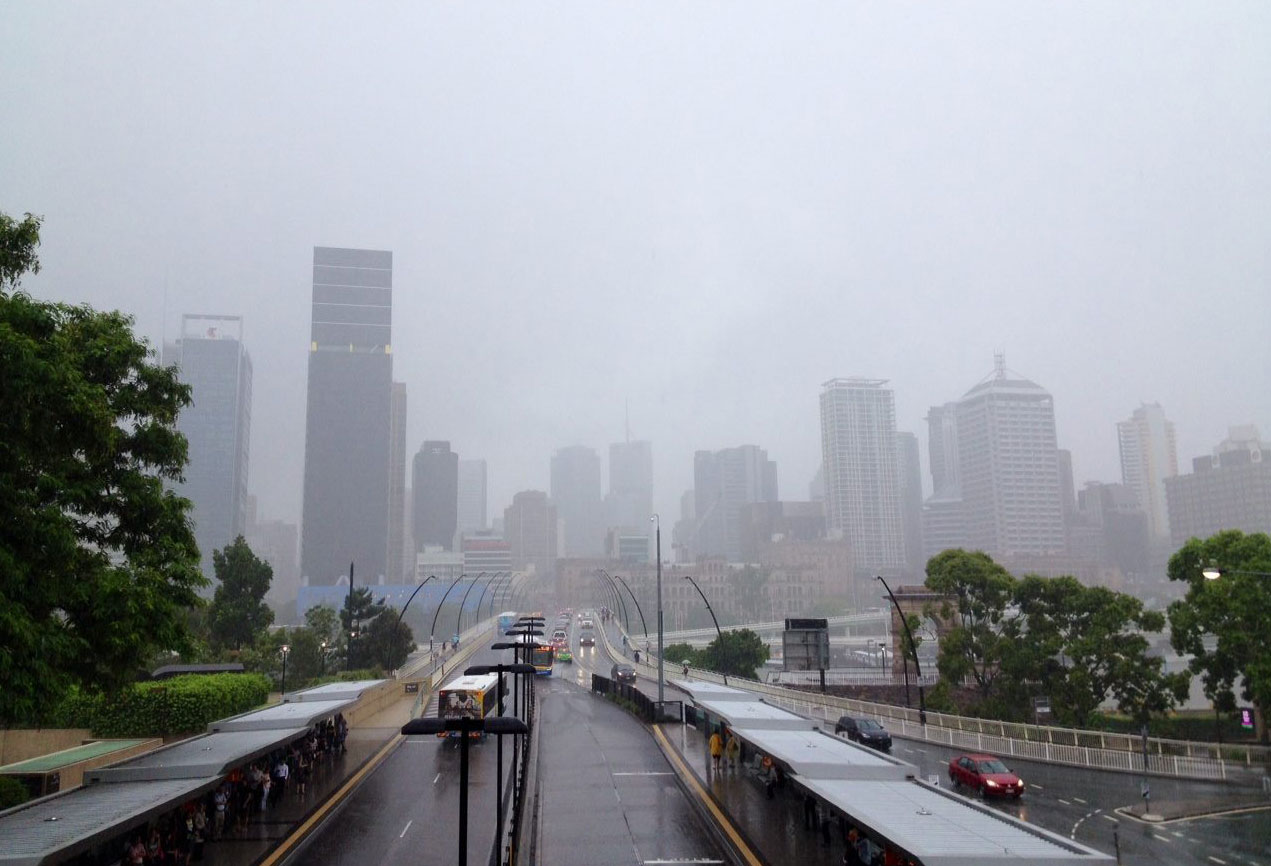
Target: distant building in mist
(398,567)
(723,482)
(909,471)
(435,486)
(277,543)
(575,474)
(943,521)
(1008,464)
(435,561)
(1231,489)
(764,523)
(472,496)
(862,480)
(529,526)
(348,417)
(629,503)
(1148,457)
(486,551)
(212,360)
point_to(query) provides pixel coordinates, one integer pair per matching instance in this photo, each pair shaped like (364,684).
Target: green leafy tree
(1080,644)
(359,609)
(981,633)
(18,241)
(1233,610)
(238,613)
(678,653)
(323,621)
(388,641)
(739,652)
(98,562)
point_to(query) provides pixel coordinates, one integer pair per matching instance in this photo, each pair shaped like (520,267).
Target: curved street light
(621,606)
(503,576)
(657,521)
(462,604)
(643,625)
(402,612)
(719,633)
(432,630)
(904,621)
(1213,572)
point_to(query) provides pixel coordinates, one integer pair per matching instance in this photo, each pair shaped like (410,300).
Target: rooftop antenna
(999,365)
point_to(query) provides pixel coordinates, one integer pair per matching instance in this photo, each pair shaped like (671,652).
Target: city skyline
(984,208)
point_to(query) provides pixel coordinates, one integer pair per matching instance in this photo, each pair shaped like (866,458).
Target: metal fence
(1101,750)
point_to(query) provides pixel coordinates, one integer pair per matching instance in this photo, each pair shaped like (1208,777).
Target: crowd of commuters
(180,837)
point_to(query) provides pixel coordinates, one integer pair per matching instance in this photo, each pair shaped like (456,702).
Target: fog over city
(697,213)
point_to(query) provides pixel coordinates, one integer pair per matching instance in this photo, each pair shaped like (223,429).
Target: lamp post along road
(285,650)
(517,670)
(657,521)
(643,625)
(922,698)
(709,610)
(433,628)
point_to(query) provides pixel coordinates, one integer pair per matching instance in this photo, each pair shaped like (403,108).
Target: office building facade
(348,417)
(435,486)
(1148,457)
(862,472)
(529,527)
(212,360)
(575,473)
(723,483)
(1230,489)
(399,568)
(472,487)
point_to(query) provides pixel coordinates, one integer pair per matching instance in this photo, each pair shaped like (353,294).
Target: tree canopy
(238,613)
(739,652)
(98,562)
(1233,610)
(980,591)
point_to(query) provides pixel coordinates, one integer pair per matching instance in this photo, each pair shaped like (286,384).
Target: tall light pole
(459,618)
(709,610)
(285,650)
(904,621)
(657,521)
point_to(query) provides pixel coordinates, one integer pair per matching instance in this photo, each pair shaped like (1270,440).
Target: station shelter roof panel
(66,824)
(334,691)
(208,755)
(943,829)
(708,691)
(299,714)
(818,755)
(754,715)
(73,755)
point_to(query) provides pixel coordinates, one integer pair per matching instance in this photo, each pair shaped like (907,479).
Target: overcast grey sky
(704,209)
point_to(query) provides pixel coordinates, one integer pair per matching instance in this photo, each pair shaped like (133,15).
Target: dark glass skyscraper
(217,425)
(346,488)
(435,486)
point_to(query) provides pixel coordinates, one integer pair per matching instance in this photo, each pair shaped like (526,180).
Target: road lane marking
(438,776)
(1073,834)
(284,847)
(1216,860)
(407,827)
(724,822)
(1036,787)
(1177,835)
(647,773)
(1079,800)
(1112,818)
(1062,800)
(1161,838)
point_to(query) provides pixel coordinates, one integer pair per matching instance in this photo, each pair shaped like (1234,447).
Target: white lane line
(1073,834)
(407,827)
(434,781)
(1062,800)
(645,773)
(1177,835)
(1036,787)
(1216,860)
(1162,838)
(1112,818)
(1079,800)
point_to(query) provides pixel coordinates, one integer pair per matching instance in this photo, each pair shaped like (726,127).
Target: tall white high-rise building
(1148,457)
(862,475)
(1008,459)
(576,495)
(723,482)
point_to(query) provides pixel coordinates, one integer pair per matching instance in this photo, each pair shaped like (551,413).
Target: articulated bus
(507,619)
(542,658)
(468,697)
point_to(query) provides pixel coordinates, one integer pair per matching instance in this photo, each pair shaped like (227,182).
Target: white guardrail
(1097,750)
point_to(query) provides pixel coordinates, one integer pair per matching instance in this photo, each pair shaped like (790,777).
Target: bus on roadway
(542,658)
(468,697)
(507,619)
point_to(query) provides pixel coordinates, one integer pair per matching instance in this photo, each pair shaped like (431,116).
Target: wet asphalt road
(407,810)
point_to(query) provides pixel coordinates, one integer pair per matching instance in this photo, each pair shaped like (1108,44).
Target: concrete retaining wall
(21,744)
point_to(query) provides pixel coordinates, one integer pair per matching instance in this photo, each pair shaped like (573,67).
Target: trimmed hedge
(181,705)
(1200,727)
(12,793)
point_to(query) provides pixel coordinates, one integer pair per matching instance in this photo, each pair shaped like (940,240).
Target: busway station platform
(80,824)
(827,778)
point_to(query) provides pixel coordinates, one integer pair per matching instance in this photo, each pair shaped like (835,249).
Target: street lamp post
(613,589)
(1213,572)
(285,650)
(348,651)
(462,604)
(465,728)
(432,629)
(922,698)
(657,521)
(516,670)
(643,625)
(401,613)
(718,633)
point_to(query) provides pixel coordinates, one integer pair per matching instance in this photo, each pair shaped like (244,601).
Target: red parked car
(985,774)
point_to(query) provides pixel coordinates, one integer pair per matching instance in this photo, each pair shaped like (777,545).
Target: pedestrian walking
(769,776)
(732,750)
(637,657)
(717,749)
(199,829)
(282,773)
(219,801)
(686,669)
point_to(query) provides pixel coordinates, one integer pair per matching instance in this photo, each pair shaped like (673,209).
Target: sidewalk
(1174,810)
(774,828)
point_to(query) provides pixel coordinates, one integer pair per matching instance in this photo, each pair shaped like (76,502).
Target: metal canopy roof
(943,829)
(298,714)
(818,755)
(703,690)
(66,824)
(73,755)
(334,691)
(208,755)
(754,715)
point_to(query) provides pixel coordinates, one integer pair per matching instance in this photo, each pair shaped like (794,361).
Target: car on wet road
(623,674)
(564,655)
(867,732)
(985,774)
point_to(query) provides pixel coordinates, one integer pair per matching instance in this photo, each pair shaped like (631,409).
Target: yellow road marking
(720,818)
(334,800)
